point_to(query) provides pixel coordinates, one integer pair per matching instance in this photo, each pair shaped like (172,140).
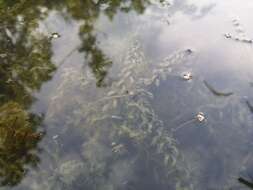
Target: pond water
(126,95)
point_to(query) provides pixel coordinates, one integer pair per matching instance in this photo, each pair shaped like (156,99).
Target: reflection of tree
(24,66)
(18,137)
(97,61)
(88,12)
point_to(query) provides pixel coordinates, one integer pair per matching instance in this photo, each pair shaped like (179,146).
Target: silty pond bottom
(126,95)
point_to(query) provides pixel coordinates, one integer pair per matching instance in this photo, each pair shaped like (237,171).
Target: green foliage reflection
(24,65)
(18,143)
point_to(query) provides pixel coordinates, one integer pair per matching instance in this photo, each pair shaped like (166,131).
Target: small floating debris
(187,76)
(131,93)
(200,117)
(55,137)
(55,35)
(228,36)
(239,39)
(247,41)
(166,20)
(116,117)
(118,148)
(189,51)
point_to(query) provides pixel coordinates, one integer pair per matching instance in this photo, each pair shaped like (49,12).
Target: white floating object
(55,137)
(200,117)
(118,148)
(55,35)
(116,117)
(187,76)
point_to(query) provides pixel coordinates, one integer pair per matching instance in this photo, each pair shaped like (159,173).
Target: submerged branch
(249,106)
(245,182)
(216,92)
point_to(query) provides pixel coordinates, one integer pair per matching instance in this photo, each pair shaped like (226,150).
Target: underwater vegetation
(122,121)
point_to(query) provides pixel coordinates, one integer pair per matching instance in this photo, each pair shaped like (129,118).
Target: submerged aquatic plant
(124,109)
(124,113)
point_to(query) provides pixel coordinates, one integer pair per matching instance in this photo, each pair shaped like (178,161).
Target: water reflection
(24,66)
(191,8)
(88,12)
(19,139)
(97,60)
(113,138)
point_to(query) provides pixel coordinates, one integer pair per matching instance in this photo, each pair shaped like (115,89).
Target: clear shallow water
(92,95)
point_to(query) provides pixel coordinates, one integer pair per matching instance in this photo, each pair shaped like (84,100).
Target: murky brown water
(126,95)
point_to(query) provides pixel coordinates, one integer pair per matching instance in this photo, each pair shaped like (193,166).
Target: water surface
(93,94)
